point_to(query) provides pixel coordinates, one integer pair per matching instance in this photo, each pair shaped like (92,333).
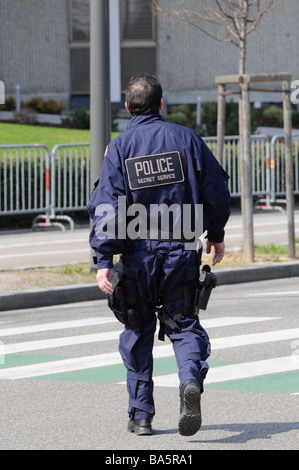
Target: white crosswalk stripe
(112,357)
(231,372)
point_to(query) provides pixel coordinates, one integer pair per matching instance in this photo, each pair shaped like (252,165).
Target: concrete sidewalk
(87,292)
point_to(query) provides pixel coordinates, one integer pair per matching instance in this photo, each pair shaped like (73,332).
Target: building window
(136,20)
(80,20)
(79,31)
(138,46)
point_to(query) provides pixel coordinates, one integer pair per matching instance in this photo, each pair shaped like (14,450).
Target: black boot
(190,417)
(141,427)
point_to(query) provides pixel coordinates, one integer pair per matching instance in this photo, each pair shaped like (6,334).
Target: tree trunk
(245,145)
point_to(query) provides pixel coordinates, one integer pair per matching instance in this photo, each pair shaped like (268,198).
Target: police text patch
(154,170)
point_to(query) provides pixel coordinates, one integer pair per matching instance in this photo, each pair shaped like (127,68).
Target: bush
(183,116)
(10,104)
(273,116)
(37,104)
(178,118)
(45,106)
(295,119)
(78,119)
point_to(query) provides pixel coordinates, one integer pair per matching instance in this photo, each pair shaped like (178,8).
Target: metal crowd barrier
(25,172)
(260,146)
(275,174)
(35,180)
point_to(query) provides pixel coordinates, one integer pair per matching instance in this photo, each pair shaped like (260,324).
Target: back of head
(143,94)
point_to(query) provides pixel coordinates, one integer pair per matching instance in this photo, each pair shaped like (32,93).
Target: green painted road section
(274,383)
(287,382)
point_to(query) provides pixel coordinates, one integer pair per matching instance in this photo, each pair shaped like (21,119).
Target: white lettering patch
(154,170)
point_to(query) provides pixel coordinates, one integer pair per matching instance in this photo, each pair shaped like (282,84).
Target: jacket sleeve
(107,209)
(214,193)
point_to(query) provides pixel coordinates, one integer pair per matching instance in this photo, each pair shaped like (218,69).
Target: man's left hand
(219,251)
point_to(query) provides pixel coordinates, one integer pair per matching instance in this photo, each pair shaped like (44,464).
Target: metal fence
(24,179)
(35,180)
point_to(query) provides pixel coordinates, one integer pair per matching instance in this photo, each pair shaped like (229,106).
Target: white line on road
(46,242)
(262,294)
(255,338)
(61,342)
(20,330)
(42,253)
(218,343)
(273,232)
(278,220)
(208,323)
(231,372)
(114,358)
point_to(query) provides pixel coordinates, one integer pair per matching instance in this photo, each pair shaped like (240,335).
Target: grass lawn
(17,134)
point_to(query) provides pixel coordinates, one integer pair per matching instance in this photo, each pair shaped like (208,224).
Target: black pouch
(124,301)
(189,298)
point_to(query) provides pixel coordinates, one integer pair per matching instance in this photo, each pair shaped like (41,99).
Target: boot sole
(190,419)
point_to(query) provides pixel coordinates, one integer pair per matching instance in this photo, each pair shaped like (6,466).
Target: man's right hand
(102,277)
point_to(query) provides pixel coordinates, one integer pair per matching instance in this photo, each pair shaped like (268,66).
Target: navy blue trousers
(161,268)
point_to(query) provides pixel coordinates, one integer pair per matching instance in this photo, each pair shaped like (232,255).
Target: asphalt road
(47,248)
(62,382)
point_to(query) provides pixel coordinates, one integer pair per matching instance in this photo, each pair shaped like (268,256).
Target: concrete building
(45,49)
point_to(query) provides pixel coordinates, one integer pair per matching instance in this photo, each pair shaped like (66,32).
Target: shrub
(183,116)
(295,119)
(178,118)
(78,119)
(273,116)
(50,106)
(10,104)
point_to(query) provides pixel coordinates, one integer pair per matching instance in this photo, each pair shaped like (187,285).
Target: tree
(232,20)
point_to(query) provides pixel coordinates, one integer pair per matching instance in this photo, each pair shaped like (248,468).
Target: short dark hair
(143,94)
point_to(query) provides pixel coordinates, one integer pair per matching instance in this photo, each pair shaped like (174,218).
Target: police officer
(155,164)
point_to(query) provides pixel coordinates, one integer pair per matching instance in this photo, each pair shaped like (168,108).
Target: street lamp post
(100,105)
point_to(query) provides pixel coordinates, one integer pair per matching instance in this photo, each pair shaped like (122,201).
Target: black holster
(124,301)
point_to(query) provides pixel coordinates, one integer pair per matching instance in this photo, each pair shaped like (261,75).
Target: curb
(87,292)
(48,297)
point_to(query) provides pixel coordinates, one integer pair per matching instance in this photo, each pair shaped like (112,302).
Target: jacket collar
(144,119)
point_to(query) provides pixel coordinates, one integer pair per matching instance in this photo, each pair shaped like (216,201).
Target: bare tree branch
(236,18)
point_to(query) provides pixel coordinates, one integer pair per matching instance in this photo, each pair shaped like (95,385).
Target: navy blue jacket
(204,180)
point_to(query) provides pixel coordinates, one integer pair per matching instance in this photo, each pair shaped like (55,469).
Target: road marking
(261,224)
(207,323)
(114,358)
(218,343)
(61,342)
(53,242)
(262,294)
(254,338)
(229,321)
(56,326)
(42,253)
(240,371)
(273,232)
